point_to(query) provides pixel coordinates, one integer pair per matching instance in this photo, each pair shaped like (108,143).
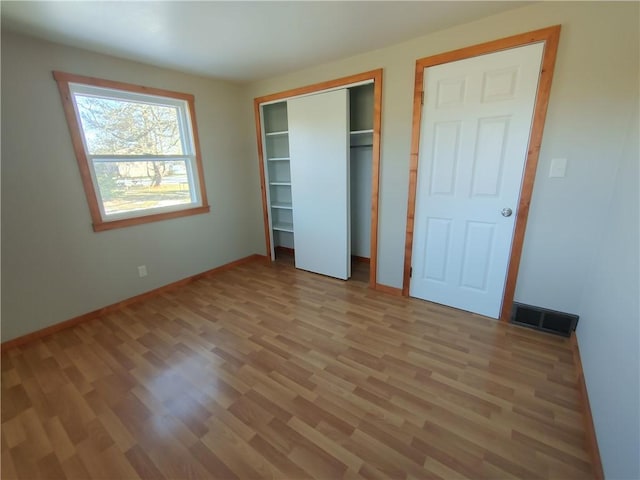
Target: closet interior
(277,143)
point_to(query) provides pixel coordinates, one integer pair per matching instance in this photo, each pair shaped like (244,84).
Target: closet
(317,154)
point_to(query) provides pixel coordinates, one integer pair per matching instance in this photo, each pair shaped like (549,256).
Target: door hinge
(410,272)
(421,98)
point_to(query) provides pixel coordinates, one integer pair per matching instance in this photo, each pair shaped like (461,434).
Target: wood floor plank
(265,371)
(50,468)
(8,469)
(142,464)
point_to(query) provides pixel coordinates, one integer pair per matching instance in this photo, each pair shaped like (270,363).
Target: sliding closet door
(319,151)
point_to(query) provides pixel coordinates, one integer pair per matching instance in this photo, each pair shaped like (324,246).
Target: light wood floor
(266,371)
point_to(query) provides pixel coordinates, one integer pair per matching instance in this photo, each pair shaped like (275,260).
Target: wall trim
(587,417)
(30,337)
(388,290)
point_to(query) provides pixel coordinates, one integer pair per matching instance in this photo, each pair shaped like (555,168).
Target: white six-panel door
(475,128)
(319,159)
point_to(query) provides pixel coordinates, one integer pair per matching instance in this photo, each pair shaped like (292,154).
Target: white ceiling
(238,40)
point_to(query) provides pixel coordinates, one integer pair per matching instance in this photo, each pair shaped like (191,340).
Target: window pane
(121,127)
(130,186)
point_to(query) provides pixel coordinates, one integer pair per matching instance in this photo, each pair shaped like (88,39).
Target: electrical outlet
(142,271)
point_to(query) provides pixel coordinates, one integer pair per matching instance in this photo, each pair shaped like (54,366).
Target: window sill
(129,222)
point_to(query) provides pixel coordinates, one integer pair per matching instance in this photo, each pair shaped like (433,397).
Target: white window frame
(72,85)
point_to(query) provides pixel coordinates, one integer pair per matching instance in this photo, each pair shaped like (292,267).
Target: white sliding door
(319,158)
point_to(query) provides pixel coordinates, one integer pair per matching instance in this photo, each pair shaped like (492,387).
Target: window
(137,149)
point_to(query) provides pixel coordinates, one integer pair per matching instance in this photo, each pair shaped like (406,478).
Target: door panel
(319,158)
(478,241)
(476,123)
(488,160)
(436,248)
(446,144)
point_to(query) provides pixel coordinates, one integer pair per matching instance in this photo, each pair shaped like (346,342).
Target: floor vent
(544,319)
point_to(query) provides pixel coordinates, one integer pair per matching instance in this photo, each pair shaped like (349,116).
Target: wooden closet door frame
(550,36)
(376,77)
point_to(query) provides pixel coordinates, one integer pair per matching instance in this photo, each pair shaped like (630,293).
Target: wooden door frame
(550,36)
(376,77)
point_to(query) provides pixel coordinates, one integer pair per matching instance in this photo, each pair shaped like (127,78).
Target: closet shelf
(283,184)
(283,206)
(278,159)
(283,227)
(361,132)
(361,138)
(273,134)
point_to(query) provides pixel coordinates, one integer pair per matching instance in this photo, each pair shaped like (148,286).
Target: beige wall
(54,266)
(609,330)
